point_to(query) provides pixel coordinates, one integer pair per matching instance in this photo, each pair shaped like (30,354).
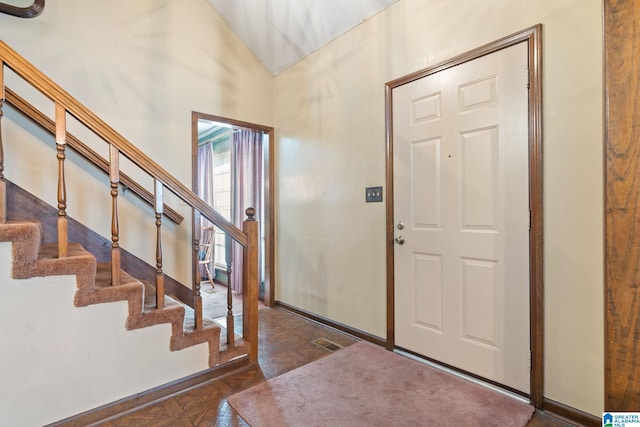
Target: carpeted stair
(32,258)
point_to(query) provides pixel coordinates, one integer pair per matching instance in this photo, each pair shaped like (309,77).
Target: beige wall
(330,131)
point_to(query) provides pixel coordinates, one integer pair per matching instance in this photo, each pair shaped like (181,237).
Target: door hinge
(529,219)
(528,77)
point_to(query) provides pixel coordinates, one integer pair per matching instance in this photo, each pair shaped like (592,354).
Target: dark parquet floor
(285,344)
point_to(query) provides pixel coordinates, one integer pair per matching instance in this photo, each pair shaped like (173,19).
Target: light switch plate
(373,194)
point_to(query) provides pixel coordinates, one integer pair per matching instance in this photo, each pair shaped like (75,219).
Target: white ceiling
(282,32)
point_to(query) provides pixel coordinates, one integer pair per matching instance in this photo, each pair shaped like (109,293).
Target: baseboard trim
(564,412)
(138,401)
(330,323)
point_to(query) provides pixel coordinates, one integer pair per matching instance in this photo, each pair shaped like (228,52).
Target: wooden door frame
(269,191)
(533,37)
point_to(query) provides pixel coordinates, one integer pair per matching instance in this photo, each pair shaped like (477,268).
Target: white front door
(461,204)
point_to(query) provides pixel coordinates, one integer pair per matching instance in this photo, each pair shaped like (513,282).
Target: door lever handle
(399,240)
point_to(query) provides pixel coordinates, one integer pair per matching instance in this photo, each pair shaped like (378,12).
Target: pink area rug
(366,385)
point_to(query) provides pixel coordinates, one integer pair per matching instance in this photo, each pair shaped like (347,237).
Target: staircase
(96,283)
(31,258)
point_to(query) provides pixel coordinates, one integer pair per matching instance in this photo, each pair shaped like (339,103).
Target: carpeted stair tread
(189,321)
(227,353)
(239,348)
(14,231)
(25,238)
(79,262)
(140,315)
(103,276)
(50,251)
(150,297)
(150,302)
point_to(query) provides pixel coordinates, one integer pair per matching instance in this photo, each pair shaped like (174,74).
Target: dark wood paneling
(22,205)
(622,203)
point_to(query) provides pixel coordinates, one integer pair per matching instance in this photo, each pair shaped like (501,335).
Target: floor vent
(326,344)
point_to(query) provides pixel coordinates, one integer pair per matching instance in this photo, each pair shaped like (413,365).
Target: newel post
(250,286)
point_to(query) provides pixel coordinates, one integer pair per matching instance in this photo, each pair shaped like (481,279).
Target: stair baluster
(3,183)
(195,287)
(159,274)
(197,296)
(114,177)
(196,235)
(231,338)
(197,299)
(61,142)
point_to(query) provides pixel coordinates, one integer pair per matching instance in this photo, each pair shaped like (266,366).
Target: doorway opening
(232,170)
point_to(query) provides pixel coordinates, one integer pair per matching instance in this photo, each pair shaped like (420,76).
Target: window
(221,194)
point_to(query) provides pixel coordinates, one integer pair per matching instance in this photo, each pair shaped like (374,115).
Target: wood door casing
(269,191)
(533,37)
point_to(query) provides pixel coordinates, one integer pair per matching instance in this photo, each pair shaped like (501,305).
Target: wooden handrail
(23,12)
(55,93)
(78,146)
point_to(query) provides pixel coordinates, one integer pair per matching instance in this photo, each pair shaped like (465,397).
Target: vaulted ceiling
(282,32)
